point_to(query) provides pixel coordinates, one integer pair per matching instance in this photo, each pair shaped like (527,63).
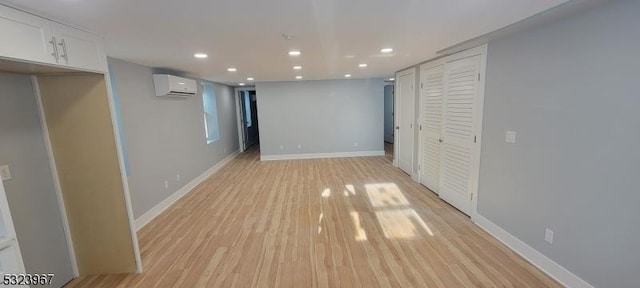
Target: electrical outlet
(299,146)
(548,235)
(166,184)
(177,177)
(5,172)
(281,147)
(355,144)
(510,137)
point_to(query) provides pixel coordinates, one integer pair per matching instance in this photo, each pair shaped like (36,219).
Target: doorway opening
(249,133)
(388,119)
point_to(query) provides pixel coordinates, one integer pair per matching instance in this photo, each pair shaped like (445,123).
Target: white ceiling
(333,35)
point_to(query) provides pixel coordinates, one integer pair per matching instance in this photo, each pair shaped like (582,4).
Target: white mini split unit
(174,86)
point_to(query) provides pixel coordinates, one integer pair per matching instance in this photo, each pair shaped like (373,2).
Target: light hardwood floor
(350,222)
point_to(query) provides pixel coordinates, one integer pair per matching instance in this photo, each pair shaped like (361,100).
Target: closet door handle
(55,48)
(64,50)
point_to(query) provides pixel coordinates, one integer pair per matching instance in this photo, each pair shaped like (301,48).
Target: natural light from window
(211,130)
(402,223)
(394,213)
(385,195)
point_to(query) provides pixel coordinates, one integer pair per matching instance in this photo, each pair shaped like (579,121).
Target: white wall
(571,92)
(164,137)
(321,117)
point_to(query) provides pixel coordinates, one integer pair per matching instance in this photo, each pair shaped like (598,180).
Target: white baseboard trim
(322,155)
(548,266)
(166,203)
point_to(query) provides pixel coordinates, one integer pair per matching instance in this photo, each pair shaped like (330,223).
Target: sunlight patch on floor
(361,234)
(350,190)
(402,223)
(385,195)
(394,213)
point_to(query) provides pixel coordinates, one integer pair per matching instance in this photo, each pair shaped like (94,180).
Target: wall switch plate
(548,236)
(166,184)
(281,147)
(177,177)
(510,137)
(355,144)
(5,172)
(299,146)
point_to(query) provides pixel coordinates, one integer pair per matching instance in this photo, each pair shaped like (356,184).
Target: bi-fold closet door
(450,118)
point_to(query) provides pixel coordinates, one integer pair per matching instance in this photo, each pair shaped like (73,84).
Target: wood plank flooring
(349,222)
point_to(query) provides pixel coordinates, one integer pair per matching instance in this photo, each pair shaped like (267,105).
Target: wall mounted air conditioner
(174,86)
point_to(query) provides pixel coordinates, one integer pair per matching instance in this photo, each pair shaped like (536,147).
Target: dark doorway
(251,134)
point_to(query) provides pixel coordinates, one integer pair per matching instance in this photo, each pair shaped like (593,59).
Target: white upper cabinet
(29,38)
(24,36)
(79,49)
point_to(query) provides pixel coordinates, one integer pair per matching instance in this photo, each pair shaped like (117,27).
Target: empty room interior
(424,143)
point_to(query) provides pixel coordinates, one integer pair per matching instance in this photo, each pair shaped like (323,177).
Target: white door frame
(239,119)
(56,179)
(475,165)
(396,120)
(123,171)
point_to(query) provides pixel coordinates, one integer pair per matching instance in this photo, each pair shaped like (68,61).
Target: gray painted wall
(31,192)
(165,136)
(321,116)
(570,91)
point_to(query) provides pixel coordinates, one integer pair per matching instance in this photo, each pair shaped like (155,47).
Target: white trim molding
(548,266)
(322,155)
(145,218)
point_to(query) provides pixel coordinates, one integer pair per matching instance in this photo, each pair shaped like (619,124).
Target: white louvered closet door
(431,100)
(458,131)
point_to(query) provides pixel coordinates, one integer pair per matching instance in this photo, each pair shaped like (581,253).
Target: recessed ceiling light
(294,53)
(297,67)
(200,55)
(386,50)
(392,79)
(232,69)
(241,84)
(362,65)
(250,79)
(347,75)
(298,77)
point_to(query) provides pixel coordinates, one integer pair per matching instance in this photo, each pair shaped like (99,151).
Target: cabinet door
(79,49)
(25,37)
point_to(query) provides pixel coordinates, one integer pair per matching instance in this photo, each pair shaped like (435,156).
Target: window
(211,130)
(247,107)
